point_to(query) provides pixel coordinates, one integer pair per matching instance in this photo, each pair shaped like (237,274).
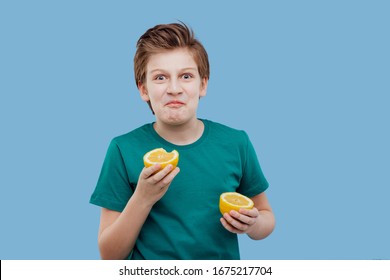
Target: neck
(182,134)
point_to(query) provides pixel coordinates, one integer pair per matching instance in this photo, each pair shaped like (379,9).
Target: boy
(173,213)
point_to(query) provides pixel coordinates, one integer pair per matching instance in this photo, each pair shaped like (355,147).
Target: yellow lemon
(161,157)
(234,201)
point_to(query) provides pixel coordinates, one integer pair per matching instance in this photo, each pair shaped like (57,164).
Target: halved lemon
(234,201)
(161,157)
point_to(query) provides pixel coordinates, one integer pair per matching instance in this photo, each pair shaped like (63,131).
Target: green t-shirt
(184,223)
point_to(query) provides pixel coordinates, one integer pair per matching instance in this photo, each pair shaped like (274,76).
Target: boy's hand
(153,184)
(240,222)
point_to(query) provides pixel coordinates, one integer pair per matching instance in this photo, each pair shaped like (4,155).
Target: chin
(172,117)
(175,120)
(175,117)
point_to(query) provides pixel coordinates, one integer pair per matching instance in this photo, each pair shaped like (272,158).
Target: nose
(174,87)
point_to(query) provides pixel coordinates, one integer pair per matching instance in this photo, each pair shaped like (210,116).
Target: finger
(254,212)
(149,171)
(230,228)
(167,180)
(170,176)
(242,217)
(161,174)
(235,223)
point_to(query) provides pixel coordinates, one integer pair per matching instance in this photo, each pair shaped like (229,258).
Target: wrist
(142,202)
(255,228)
(263,227)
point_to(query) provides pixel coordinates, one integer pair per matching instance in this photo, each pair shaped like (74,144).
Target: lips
(174,103)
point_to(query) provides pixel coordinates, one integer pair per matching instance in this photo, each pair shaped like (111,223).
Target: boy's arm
(265,221)
(118,231)
(258,222)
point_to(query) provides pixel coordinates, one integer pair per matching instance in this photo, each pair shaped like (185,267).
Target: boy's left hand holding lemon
(239,215)
(240,222)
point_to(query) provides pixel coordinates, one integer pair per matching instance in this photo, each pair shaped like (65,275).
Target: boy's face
(173,86)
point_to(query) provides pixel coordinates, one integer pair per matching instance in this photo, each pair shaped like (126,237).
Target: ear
(203,87)
(143,91)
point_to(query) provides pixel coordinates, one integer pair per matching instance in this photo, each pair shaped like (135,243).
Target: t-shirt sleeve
(113,188)
(253,181)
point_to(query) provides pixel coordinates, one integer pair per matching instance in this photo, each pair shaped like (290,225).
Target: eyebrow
(181,70)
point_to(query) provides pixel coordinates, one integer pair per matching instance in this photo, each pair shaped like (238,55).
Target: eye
(160,77)
(186,76)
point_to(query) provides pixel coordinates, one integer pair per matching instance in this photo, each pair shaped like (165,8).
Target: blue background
(307,80)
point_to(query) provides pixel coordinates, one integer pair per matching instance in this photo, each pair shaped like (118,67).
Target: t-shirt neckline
(157,137)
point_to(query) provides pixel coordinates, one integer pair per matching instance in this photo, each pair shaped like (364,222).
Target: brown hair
(164,37)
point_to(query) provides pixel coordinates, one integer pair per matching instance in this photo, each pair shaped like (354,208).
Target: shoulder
(130,145)
(134,136)
(226,133)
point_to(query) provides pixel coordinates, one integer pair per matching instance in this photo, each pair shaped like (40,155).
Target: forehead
(171,60)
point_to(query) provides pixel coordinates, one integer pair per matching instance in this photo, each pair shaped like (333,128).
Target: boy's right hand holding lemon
(159,171)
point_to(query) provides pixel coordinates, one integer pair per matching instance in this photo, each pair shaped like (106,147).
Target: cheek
(193,90)
(155,92)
